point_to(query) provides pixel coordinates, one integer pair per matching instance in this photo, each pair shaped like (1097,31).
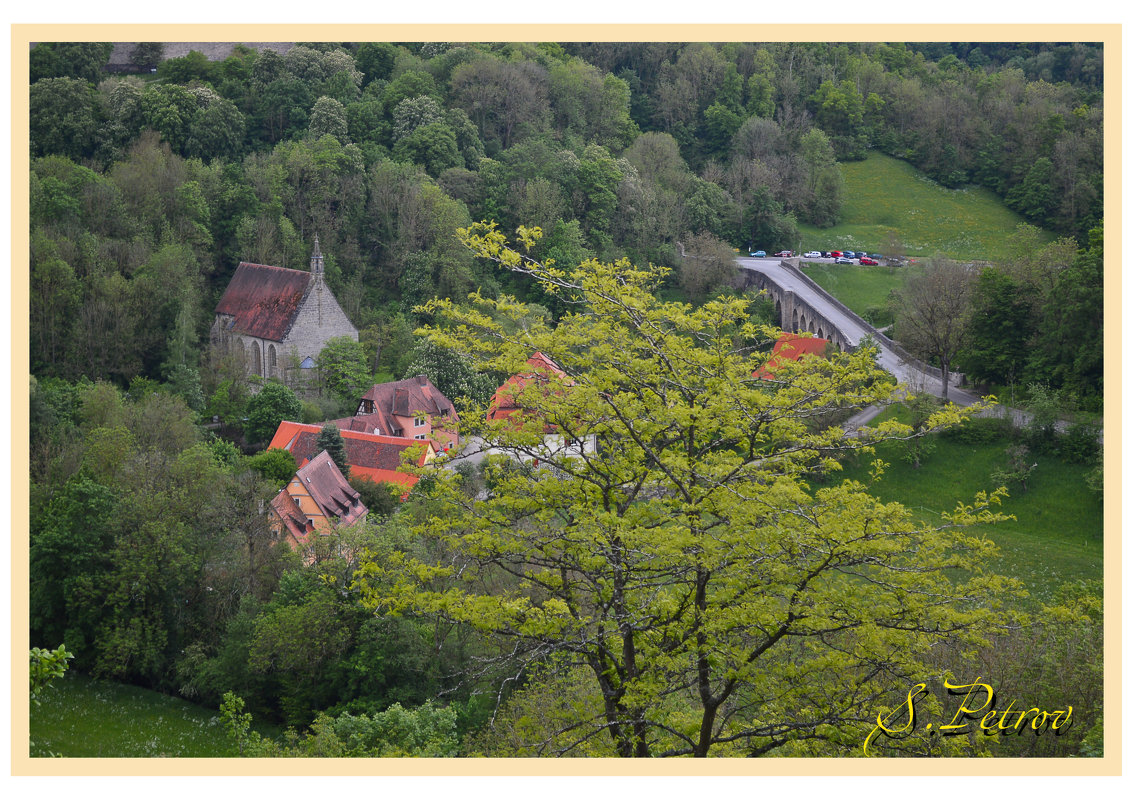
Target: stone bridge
(802,305)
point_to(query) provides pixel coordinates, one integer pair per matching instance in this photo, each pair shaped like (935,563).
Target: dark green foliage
(267,408)
(1000,329)
(450,371)
(980,431)
(275,464)
(149,557)
(331,441)
(82,60)
(379,497)
(64,117)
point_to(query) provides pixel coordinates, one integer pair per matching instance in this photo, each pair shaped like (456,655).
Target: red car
(836,253)
(866,260)
(785,254)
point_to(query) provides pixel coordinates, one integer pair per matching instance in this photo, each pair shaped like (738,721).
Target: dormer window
(418,422)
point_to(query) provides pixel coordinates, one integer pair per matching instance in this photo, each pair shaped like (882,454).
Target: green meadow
(883,193)
(83,717)
(861,288)
(1057,534)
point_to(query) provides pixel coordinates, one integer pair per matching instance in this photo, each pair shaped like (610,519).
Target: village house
(413,408)
(791,348)
(277,320)
(315,500)
(512,399)
(371,456)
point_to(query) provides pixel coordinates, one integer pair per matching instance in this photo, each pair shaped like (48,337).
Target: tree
(46,666)
(275,464)
(147,54)
(328,116)
(932,311)
(267,408)
(450,371)
(708,263)
(63,117)
(716,601)
(999,329)
(331,441)
(342,366)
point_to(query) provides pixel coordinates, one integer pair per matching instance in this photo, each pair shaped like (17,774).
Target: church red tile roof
(791,348)
(372,456)
(263,300)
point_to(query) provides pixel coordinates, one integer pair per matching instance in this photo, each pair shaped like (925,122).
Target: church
(277,320)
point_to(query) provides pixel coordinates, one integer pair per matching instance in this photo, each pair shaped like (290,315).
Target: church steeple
(317,271)
(317,259)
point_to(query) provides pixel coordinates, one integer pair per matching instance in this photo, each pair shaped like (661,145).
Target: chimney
(421,379)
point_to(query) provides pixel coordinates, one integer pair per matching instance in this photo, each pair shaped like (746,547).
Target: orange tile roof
(791,348)
(373,456)
(506,403)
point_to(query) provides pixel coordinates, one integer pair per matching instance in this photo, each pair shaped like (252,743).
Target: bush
(1080,443)
(981,431)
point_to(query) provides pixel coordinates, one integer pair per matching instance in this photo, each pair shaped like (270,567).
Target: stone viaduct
(802,305)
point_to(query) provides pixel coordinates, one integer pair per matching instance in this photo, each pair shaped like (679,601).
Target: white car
(812,254)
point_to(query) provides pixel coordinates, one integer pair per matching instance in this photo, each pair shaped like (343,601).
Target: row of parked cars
(840,256)
(845,256)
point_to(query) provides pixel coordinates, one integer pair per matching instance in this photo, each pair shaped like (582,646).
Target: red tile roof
(336,498)
(404,398)
(506,402)
(373,456)
(264,300)
(791,348)
(292,516)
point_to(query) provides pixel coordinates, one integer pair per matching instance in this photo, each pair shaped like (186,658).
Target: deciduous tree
(717,602)
(932,313)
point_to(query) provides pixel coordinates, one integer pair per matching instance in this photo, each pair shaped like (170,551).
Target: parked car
(757,254)
(785,254)
(836,253)
(878,256)
(812,254)
(866,260)
(843,260)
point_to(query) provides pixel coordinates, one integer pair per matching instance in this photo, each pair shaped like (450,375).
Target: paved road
(854,328)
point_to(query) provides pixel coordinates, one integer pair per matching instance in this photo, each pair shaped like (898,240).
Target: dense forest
(150,557)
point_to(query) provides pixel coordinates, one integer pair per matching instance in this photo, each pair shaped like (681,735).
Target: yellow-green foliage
(718,603)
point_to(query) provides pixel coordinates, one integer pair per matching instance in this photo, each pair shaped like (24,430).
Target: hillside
(884,193)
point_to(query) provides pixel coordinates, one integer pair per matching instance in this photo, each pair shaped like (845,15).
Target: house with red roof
(373,456)
(512,400)
(316,500)
(413,408)
(791,348)
(508,401)
(278,320)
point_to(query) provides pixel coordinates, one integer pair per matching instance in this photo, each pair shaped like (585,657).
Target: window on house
(418,422)
(419,436)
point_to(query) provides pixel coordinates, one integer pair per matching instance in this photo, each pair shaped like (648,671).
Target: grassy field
(883,193)
(81,717)
(1057,536)
(859,288)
